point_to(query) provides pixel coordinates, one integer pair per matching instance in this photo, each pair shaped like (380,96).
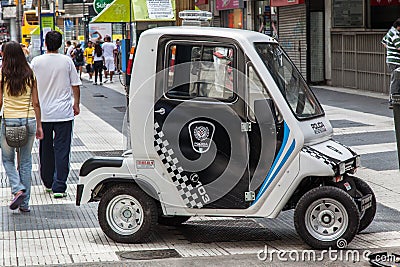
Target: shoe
(111,81)
(100,83)
(17,200)
(60,195)
(94,83)
(90,79)
(48,190)
(24,209)
(106,80)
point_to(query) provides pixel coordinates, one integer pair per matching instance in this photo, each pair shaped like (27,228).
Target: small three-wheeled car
(222,123)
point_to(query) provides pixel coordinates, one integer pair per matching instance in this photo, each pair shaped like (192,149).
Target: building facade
(334,42)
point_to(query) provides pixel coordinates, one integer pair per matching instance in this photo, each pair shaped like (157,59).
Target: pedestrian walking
(19,99)
(117,55)
(88,54)
(69,48)
(78,58)
(59,95)
(26,51)
(391,41)
(98,63)
(109,49)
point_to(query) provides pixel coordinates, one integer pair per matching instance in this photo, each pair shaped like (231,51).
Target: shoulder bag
(16,136)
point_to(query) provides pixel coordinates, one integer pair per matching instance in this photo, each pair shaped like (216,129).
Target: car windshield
(289,80)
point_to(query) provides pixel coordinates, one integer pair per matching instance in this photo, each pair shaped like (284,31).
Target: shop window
(347,13)
(384,13)
(200,71)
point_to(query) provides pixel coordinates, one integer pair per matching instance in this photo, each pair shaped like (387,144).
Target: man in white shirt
(59,95)
(70,48)
(109,50)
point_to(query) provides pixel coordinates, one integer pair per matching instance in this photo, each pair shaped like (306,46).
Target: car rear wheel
(127,214)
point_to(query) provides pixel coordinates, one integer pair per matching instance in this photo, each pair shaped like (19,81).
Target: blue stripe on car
(272,174)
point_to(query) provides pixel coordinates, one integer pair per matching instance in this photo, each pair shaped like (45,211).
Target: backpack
(78,55)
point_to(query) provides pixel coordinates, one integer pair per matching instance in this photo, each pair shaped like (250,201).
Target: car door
(198,121)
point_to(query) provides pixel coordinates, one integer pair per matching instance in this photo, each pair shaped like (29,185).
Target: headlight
(342,168)
(358,161)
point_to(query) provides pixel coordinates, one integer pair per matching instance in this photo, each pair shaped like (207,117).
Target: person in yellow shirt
(88,54)
(20,101)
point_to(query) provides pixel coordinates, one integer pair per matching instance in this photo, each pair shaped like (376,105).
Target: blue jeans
(19,180)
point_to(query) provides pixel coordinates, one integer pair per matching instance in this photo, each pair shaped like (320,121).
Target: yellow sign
(16,2)
(47,22)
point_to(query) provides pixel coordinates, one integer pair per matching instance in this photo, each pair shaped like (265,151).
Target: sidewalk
(58,232)
(385,183)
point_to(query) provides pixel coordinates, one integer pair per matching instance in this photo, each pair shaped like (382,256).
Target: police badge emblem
(201,134)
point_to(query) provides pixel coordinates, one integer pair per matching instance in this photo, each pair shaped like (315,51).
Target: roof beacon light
(195,18)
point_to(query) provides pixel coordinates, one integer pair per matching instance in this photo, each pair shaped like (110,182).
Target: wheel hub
(326,219)
(124,214)
(127,213)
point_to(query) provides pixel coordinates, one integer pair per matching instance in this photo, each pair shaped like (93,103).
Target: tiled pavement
(58,232)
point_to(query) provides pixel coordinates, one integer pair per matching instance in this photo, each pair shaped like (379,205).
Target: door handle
(161,111)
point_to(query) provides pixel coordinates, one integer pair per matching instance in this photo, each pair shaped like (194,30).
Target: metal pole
(53,10)
(83,20)
(396,111)
(130,23)
(40,25)
(19,19)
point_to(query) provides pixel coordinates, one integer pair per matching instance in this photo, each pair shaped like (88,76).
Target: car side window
(256,89)
(196,70)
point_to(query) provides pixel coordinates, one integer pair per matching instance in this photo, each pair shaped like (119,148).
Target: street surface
(57,232)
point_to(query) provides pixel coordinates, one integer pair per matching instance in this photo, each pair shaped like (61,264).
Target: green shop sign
(99,5)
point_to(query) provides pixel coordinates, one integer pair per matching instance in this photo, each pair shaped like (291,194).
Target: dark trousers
(54,152)
(394,81)
(98,69)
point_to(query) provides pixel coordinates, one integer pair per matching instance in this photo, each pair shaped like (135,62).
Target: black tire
(132,200)
(335,207)
(368,215)
(172,220)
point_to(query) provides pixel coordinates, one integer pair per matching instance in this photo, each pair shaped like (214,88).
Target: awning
(36,31)
(118,11)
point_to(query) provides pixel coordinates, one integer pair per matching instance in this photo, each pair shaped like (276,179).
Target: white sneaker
(94,83)
(111,81)
(90,79)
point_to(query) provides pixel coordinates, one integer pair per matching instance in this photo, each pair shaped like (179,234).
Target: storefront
(265,20)
(301,26)
(231,13)
(358,57)
(292,30)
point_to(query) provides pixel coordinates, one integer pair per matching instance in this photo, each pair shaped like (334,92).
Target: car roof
(237,34)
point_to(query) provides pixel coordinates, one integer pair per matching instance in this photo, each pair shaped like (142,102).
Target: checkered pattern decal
(322,157)
(186,190)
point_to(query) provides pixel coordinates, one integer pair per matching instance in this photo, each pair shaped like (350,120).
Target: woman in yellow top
(20,102)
